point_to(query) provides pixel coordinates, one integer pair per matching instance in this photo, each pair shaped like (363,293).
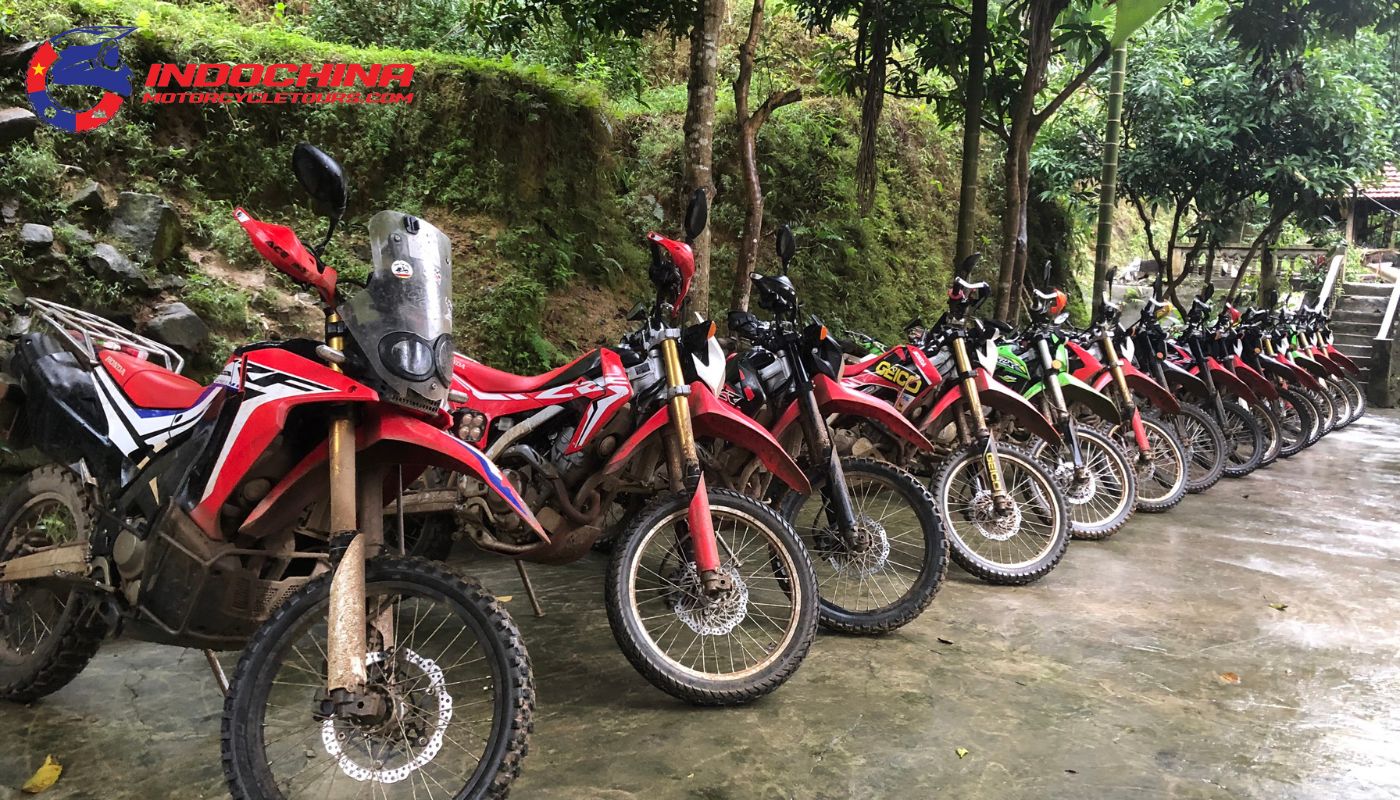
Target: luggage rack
(82,333)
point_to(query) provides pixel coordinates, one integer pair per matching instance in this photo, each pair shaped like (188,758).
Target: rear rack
(82,334)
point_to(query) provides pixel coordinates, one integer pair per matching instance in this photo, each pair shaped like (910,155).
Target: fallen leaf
(1229,677)
(1072,771)
(941,640)
(1278,606)
(962,752)
(44,777)
(506,598)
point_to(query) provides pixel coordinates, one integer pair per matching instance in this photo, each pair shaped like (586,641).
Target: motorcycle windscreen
(402,321)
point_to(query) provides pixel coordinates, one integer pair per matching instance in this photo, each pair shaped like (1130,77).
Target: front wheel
(1010,541)
(1341,399)
(1295,422)
(1356,397)
(1244,439)
(1269,426)
(886,577)
(1161,469)
(1103,497)
(1204,444)
(718,649)
(454,697)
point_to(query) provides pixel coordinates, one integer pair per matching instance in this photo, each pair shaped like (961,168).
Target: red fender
(1301,373)
(1328,363)
(996,397)
(711,417)
(1278,369)
(833,398)
(1343,359)
(1158,396)
(1257,383)
(387,435)
(1226,382)
(1307,362)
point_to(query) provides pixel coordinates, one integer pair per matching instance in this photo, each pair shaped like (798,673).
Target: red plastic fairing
(388,435)
(996,397)
(710,417)
(1226,382)
(1158,396)
(1343,359)
(1257,383)
(684,258)
(280,245)
(833,398)
(1302,373)
(847,370)
(1089,364)
(272,382)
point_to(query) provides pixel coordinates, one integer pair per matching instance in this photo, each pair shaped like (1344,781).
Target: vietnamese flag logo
(84,57)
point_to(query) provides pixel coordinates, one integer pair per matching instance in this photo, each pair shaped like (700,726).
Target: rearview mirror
(968,264)
(1109,277)
(322,178)
(1271,298)
(697,214)
(787,245)
(1208,292)
(638,313)
(1045,274)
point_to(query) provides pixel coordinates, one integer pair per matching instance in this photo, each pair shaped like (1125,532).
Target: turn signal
(711,334)
(822,334)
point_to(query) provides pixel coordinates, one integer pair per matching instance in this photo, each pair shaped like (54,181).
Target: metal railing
(1388,320)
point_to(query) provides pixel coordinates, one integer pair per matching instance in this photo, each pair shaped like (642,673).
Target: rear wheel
(1204,445)
(886,578)
(48,632)
(446,664)
(1017,543)
(1244,439)
(1101,499)
(712,649)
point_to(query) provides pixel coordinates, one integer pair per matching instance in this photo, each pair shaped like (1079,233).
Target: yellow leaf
(1278,606)
(506,598)
(1229,677)
(44,777)
(962,752)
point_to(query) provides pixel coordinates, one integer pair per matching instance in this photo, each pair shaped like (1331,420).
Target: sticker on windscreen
(401,269)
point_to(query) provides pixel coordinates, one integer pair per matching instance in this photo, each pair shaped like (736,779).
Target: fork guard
(996,396)
(834,398)
(710,417)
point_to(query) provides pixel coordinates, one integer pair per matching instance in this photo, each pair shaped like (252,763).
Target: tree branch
(1038,118)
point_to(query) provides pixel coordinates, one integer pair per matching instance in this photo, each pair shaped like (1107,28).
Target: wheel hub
(1079,486)
(991,523)
(408,733)
(711,615)
(865,554)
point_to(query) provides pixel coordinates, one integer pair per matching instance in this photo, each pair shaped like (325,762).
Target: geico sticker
(401,269)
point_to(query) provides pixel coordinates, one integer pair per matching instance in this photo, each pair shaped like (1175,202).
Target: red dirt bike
(252,510)
(1160,457)
(875,535)
(710,594)
(1314,337)
(1004,513)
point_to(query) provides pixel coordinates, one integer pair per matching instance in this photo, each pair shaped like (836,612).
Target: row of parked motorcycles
(298,508)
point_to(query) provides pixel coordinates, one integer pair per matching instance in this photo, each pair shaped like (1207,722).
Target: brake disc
(865,558)
(994,526)
(333,739)
(706,615)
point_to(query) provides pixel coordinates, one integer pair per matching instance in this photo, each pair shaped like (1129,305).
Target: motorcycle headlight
(409,357)
(443,351)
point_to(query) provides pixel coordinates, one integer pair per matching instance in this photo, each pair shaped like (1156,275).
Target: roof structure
(1388,188)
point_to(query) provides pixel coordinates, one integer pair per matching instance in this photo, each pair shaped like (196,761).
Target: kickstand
(218,670)
(529,588)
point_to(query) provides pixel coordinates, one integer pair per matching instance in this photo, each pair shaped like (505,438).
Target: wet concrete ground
(1102,681)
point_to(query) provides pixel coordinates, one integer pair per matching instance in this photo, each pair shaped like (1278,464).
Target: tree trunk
(700,135)
(748,126)
(873,103)
(1108,179)
(1275,224)
(972,129)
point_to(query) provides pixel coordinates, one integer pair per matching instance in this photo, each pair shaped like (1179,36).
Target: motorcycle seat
(148,385)
(487,379)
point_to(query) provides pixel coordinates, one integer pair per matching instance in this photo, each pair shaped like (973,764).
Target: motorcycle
(1297,417)
(250,513)
(1159,457)
(1095,474)
(877,540)
(710,594)
(1004,512)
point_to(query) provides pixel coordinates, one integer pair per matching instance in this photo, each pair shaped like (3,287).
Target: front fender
(996,396)
(1303,373)
(1257,383)
(711,417)
(1344,360)
(1077,391)
(1228,383)
(1278,369)
(1158,396)
(834,398)
(1328,362)
(384,435)
(1183,382)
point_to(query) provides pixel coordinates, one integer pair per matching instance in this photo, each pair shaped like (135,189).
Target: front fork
(1061,409)
(1125,396)
(991,460)
(840,512)
(684,462)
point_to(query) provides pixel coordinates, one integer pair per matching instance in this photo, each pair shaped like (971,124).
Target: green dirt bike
(1098,478)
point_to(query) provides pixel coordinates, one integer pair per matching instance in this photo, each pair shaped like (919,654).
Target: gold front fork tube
(1116,367)
(680,405)
(974,400)
(345,624)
